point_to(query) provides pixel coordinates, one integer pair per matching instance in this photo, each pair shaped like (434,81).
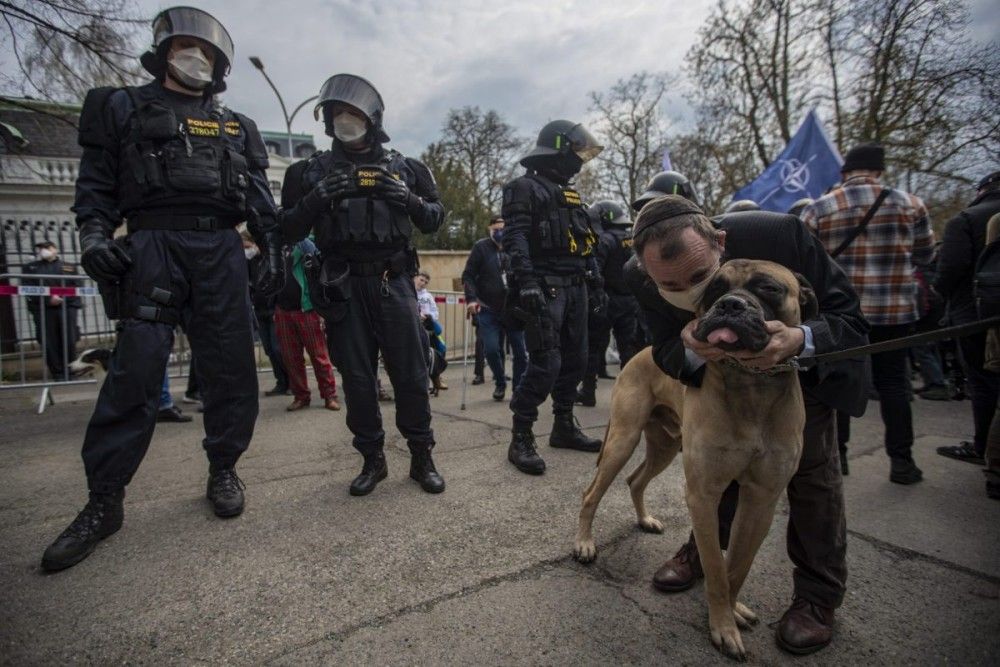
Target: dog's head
(743,295)
(91,362)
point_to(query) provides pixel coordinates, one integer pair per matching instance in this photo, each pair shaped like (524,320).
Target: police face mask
(46,254)
(348,127)
(191,68)
(688,299)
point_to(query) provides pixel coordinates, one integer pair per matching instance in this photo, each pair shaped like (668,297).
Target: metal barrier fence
(24,355)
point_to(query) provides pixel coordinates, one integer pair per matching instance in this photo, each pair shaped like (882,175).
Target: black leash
(957,331)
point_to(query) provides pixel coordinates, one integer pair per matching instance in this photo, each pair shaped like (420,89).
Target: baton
(465,358)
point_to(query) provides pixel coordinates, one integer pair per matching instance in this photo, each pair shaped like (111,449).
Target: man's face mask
(348,127)
(688,299)
(191,68)
(47,254)
(250,252)
(497,235)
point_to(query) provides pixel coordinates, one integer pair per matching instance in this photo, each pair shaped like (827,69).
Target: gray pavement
(478,575)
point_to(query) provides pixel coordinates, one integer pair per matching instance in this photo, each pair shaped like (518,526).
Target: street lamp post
(284,110)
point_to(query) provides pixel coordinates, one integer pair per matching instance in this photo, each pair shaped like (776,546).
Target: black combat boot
(522,452)
(566,434)
(225,491)
(422,468)
(374,471)
(101,518)
(585,396)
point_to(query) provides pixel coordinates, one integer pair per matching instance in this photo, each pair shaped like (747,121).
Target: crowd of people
(334,274)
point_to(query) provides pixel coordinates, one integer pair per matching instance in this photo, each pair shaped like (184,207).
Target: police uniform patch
(572,197)
(233,128)
(197,127)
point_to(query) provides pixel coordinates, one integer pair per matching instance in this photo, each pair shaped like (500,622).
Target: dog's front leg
(703,505)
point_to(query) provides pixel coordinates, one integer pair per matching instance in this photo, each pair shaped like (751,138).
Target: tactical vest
(168,161)
(561,228)
(621,252)
(362,221)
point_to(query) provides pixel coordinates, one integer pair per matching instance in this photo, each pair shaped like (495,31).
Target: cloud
(530,61)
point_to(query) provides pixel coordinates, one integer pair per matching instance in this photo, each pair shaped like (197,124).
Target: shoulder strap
(864,222)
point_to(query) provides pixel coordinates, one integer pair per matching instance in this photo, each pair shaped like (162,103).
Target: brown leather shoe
(805,627)
(680,572)
(297,405)
(332,404)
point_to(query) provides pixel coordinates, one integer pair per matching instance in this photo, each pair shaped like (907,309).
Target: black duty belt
(562,281)
(394,264)
(181,223)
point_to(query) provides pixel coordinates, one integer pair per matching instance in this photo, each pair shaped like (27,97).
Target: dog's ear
(808,305)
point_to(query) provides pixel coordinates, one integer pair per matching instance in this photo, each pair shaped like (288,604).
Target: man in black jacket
(55,316)
(678,250)
(364,201)
(964,239)
(263,310)
(485,282)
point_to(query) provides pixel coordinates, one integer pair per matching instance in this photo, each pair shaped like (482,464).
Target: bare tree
(64,47)
(631,125)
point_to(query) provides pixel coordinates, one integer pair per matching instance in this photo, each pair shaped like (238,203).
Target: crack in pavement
(532,571)
(911,554)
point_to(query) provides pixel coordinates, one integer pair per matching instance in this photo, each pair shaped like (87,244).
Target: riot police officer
(182,171)
(665,183)
(549,239)
(614,248)
(362,201)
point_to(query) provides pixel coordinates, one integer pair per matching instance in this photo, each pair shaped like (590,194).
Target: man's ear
(808,305)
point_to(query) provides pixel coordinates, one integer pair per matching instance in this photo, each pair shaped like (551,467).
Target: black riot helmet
(742,205)
(357,92)
(800,206)
(606,214)
(666,183)
(189,22)
(564,146)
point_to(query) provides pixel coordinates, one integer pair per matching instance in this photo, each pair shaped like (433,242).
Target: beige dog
(739,425)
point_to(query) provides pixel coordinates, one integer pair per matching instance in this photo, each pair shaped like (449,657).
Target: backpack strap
(864,222)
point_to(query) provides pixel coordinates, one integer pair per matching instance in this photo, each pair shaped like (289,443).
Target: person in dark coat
(55,317)
(678,250)
(964,239)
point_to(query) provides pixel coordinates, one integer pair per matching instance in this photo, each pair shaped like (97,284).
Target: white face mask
(348,127)
(688,299)
(191,68)
(46,254)
(250,252)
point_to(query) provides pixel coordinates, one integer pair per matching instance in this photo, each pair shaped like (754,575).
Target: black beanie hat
(989,182)
(869,157)
(666,207)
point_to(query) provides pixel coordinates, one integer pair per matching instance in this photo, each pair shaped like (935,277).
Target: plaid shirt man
(879,261)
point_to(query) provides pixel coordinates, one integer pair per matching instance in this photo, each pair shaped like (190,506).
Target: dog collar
(792,364)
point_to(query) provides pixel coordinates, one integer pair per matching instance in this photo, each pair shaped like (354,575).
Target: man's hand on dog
(785,342)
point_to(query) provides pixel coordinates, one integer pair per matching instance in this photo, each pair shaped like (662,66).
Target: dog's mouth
(733,332)
(80,370)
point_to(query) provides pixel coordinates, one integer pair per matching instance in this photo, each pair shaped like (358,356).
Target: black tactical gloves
(102,259)
(532,299)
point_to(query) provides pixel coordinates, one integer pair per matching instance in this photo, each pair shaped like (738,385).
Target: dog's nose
(731,305)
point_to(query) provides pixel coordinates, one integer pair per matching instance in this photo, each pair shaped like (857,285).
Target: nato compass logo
(794,177)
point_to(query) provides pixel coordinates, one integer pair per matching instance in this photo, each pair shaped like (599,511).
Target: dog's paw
(744,616)
(729,641)
(648,524)
(584,551)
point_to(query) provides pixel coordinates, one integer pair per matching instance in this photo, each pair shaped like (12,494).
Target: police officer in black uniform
(614,248)
(549,239)
(362,201)
(55,316)
(182,171)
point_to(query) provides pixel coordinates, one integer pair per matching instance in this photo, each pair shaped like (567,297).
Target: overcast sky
(531,61)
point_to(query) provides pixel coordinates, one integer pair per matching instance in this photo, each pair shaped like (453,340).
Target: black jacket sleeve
(259,195)
(296,217)
(427,213)
(518,205)
(473,267)
(956,256)
(103,119)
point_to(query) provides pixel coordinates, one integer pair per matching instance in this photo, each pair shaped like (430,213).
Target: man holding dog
(678,252)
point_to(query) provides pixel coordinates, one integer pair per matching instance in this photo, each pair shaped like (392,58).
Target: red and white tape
(38,290)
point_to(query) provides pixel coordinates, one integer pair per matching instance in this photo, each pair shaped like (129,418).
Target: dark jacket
(263,305)
(56,267)
(785,240)
(964,239)
(483,275)
(614,249)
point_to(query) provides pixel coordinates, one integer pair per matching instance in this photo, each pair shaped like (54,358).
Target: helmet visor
(583,143)
(353,90)
(192,22)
